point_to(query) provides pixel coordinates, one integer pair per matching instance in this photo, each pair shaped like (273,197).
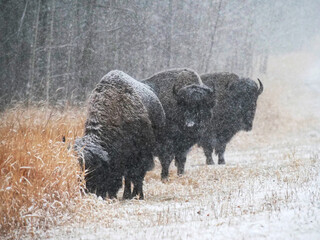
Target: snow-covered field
(266,192)
(268,189)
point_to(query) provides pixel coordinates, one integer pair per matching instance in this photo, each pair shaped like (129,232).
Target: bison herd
(129,122)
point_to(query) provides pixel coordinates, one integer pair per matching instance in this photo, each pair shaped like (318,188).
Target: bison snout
(248,128)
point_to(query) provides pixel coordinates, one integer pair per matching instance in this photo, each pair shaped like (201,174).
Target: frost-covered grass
(39,183)
(269,187)
(265,187)
(260,194)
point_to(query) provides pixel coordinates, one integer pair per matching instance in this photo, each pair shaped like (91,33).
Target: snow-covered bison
(124,119)
(187,103)
(234,111)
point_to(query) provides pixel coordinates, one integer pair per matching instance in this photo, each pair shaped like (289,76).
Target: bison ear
(231,86)
(212,97)
(175,91)
(98,152)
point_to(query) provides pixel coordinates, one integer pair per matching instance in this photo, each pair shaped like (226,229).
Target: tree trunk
(49,54)
(213,38)
(30,86)
(87,64)
(168,33)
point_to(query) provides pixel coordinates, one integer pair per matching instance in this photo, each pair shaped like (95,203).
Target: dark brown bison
(234,111)
(187,103)
(124,119)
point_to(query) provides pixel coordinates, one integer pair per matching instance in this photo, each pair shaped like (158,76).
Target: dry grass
(39,180)
(40,186)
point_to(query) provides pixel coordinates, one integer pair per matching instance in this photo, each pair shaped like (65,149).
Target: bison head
(90,154)
(244,96)
(195,103)
(95,160)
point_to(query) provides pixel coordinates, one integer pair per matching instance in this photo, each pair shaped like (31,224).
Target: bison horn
(209,90)
(211,95)
(260,90)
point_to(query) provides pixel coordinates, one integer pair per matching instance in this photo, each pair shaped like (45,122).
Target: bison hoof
(164,176)
(221,162)
(138,197)
(127,196)
(165,179)
(210,162)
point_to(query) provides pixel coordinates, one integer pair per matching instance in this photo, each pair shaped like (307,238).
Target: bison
(124,120)
(234,111)
(187,103)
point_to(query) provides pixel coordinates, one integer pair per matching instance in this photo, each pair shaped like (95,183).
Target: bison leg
(114,184)
(208,149)
(165,161)
(100,192)
(180,161)
(135,191)
(220,149)
(165,169)
(141,196)
(127,188)
(208,143)
(138,188)
(112,194)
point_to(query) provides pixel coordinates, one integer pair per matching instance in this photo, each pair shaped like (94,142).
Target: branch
(23,14)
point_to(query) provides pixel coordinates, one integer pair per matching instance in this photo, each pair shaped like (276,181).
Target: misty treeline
(55,51)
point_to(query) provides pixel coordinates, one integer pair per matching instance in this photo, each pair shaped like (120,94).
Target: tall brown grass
(39,175)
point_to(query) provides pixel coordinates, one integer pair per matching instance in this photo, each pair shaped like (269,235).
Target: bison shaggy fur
(124,118)
(234,111)
(187,104)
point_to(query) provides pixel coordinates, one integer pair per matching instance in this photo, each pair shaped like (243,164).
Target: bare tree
(49,53)
(57,50)
(168,34)
(213,34)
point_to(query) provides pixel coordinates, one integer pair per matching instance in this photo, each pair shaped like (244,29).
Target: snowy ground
(262,193)
(269,188)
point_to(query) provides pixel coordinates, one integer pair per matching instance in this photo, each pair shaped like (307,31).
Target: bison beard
(124,118)
(234,111)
